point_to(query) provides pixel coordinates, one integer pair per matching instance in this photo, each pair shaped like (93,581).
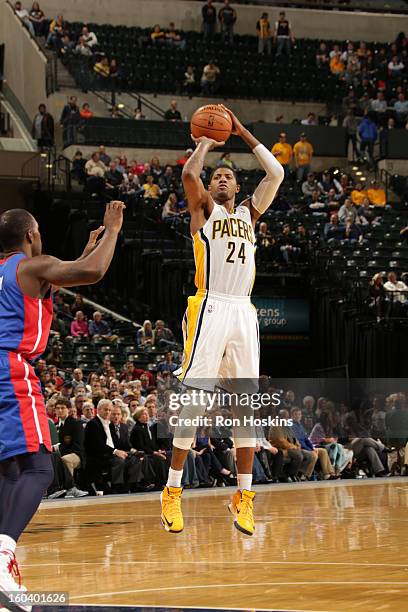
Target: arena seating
(160,68)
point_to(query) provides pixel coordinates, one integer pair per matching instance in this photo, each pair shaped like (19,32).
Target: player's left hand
(237,127)
(93,240)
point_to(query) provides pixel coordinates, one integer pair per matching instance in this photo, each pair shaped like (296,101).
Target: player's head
(19,232)
(223,185)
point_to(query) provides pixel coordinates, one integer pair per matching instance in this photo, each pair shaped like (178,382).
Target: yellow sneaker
(242,508)
(171,515)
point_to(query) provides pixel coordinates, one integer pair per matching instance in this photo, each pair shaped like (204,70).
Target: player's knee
(244,442)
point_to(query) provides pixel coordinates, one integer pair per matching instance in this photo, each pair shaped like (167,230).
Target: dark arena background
(96,100)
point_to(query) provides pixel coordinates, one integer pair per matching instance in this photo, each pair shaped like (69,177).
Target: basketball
(211,121)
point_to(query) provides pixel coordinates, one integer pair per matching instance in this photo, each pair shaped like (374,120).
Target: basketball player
(220,326)
(27,280)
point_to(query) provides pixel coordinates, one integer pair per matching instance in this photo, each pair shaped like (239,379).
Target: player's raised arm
(264,194)
(197,195)
(85,270)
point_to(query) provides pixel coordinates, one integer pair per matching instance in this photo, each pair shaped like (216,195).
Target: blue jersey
(25,322)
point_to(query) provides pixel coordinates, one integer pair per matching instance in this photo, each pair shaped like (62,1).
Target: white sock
(244,482)
(7,543)
(174,478)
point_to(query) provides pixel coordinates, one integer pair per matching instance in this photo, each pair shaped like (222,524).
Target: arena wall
(24,63)
(187,15)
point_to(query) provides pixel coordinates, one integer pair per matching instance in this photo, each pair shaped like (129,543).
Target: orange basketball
(211,121)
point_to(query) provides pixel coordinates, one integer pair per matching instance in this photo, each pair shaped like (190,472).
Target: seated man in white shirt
(398,292)
(24,16)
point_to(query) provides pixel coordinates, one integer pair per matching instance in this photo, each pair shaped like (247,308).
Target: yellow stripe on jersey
(192,330)
(199,256)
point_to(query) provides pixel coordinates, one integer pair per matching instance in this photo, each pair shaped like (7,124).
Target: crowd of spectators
(111,433)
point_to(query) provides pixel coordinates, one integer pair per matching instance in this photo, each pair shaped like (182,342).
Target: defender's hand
(92,240)
(209,142)
(113,218)
(237,127)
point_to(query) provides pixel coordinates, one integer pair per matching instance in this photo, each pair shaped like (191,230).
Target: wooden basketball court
(335,547)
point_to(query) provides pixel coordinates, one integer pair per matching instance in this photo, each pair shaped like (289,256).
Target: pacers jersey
(224,252)
(25,322)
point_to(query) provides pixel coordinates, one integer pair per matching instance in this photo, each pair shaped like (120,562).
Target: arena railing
(371,6)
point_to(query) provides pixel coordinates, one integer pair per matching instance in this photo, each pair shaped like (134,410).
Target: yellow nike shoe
(171,515)
(242,507)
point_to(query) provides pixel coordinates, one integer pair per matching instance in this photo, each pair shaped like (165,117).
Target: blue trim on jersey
(11,305)
(12,436)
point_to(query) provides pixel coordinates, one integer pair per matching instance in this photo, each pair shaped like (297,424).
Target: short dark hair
(226,167)
(62,401)
(14,224)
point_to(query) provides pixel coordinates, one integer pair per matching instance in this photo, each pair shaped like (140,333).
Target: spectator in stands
(322,57)
(101,68)
(209,15)
(368,136)
(350,102)
(316,201)
(327,183)
(352,232)
(115,113)
(170,210)
(138,114)
(367,213)
(378,296)
(337,66)
(130,188)
(66,49)
(151,189)
(283,152)
(395,67)
(113,176)
(38,20)
(43,128)
(333,230)
(99,328)
(209,79)
(168,364)
(145,334)
(23,15)
(69,120)
(58,327)
(104,462)
(288,245)
(401,109)
(184,158)
(351,123)
(225,161)
(79,326)
(143,437)
(82,48)
(379,106)
(303,152)
(163,336)
(189,81)
(322,435)
(71,442)
(283,35)
(95,166)
(103,156)
(348,211)
(263,30)
(306,445)
(358,194)
(309,185)
(85,111)
(157,36)
(173,37)
(55,33)
(397,290)
(89,38)
(310,119)
(172,113)
(227,17)
(376,194)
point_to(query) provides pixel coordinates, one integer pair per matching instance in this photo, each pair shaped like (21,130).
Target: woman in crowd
(322,435)
(79,326)
(145,334)
(38,20)
(143,438)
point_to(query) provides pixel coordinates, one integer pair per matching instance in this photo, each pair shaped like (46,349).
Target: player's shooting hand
(237,127)
(113,218)
(93,240)
(209,142)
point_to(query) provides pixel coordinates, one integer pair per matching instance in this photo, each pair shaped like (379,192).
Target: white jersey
(224,252)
